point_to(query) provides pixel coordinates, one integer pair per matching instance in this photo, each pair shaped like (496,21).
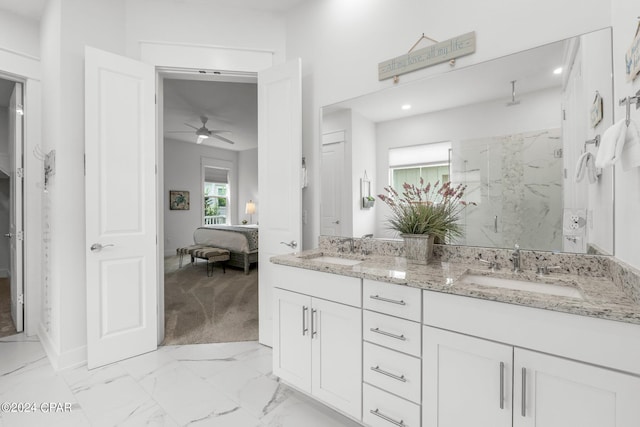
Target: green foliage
(211,206)
(432,210)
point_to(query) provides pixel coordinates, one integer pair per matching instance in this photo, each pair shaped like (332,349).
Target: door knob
(336,222)
(9,235)
(98,247)
(293,244)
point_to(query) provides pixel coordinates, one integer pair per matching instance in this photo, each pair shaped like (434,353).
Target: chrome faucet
(363,250)
(515,258)
(493,265)
(346,239)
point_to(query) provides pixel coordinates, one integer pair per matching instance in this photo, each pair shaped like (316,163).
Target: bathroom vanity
(394,344)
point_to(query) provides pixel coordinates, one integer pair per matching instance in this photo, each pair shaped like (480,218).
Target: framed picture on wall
(178,200)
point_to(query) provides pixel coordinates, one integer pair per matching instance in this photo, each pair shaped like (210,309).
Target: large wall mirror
(511,129)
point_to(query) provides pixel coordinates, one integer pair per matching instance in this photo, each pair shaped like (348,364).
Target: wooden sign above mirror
(515,145)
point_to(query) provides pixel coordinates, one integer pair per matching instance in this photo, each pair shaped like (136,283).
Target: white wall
(341,44)
(248,184)
(182,171)
(202,22)
(363,158)
(627,191)
(19,35)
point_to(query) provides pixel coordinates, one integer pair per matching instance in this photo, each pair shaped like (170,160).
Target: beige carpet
(200,309)
(6,322)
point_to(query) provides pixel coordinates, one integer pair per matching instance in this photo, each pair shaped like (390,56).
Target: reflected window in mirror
(431,162)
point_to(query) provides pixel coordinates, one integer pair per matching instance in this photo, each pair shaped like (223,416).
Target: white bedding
(235,242)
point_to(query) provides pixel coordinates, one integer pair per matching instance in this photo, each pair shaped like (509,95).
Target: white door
(15,207)
(466,381)
(292,338)
(554,392)
(120,207)
(333,182)
(279,173)
(336,355)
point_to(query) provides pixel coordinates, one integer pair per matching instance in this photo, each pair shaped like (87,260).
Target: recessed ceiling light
(406,107)
(557,70)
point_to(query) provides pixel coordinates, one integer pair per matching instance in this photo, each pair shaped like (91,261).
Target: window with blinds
(216,196)
(431,162)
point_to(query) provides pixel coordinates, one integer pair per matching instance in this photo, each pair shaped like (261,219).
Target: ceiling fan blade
(178,131)
(191,126)
(222,138)
(217,131)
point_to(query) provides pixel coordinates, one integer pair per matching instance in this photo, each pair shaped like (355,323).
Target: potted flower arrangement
(423,214)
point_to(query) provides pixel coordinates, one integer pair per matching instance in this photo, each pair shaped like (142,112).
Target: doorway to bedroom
(210,187)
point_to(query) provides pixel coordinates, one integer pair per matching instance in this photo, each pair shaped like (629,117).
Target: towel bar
(628,101)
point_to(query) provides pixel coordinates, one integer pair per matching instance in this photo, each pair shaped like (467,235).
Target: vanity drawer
(381,409)
(398,334)
(395,372)
(396,300)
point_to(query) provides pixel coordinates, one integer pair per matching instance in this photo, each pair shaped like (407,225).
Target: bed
(240,240)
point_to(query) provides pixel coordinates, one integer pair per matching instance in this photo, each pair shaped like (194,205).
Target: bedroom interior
(210,145)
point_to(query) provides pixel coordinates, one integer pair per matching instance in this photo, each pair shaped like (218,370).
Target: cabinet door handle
(389,374)
(314,319)
(388,334)
(377,413)
(501,385)
(304,320)
(393,301)
(523,409)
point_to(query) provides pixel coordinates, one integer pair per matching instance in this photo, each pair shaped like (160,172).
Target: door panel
(464,383)
(15,208)
(292,352)
(337,355)
(331,187)
(279,173)
(560,393)
(120,207)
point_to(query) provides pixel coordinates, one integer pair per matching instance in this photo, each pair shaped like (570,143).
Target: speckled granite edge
(578,264)
(627,278)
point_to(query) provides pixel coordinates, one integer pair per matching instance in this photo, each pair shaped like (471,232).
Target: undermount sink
(521,285)
(336,260)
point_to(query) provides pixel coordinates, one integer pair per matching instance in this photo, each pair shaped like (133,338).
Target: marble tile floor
(227,384)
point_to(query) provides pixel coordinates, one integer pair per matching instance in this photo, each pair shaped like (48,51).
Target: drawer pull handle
(389,374)
(393,301)
(304,320)
(388,334)
(377,413)
(523,408)
(501,385)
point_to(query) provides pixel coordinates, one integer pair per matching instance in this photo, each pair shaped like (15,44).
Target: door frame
(21,260)
(235,64)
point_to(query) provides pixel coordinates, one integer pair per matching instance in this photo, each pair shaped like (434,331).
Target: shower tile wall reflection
(516,181)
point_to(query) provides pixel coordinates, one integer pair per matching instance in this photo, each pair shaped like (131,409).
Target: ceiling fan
(203,133)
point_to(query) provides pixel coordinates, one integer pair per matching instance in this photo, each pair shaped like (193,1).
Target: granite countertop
(601,298)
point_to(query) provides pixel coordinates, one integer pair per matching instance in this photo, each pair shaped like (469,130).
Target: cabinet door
(292,334)
(337,355)
(466,381)
(554,392)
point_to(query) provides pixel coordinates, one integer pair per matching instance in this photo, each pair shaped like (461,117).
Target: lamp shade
(250,208)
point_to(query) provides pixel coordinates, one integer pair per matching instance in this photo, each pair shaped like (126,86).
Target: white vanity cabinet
(467,380)
(318,335)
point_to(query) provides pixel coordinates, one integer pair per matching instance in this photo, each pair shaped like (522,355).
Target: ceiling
(231,106)
(531,69)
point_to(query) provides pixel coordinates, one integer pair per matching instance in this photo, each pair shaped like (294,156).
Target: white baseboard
(69,359)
